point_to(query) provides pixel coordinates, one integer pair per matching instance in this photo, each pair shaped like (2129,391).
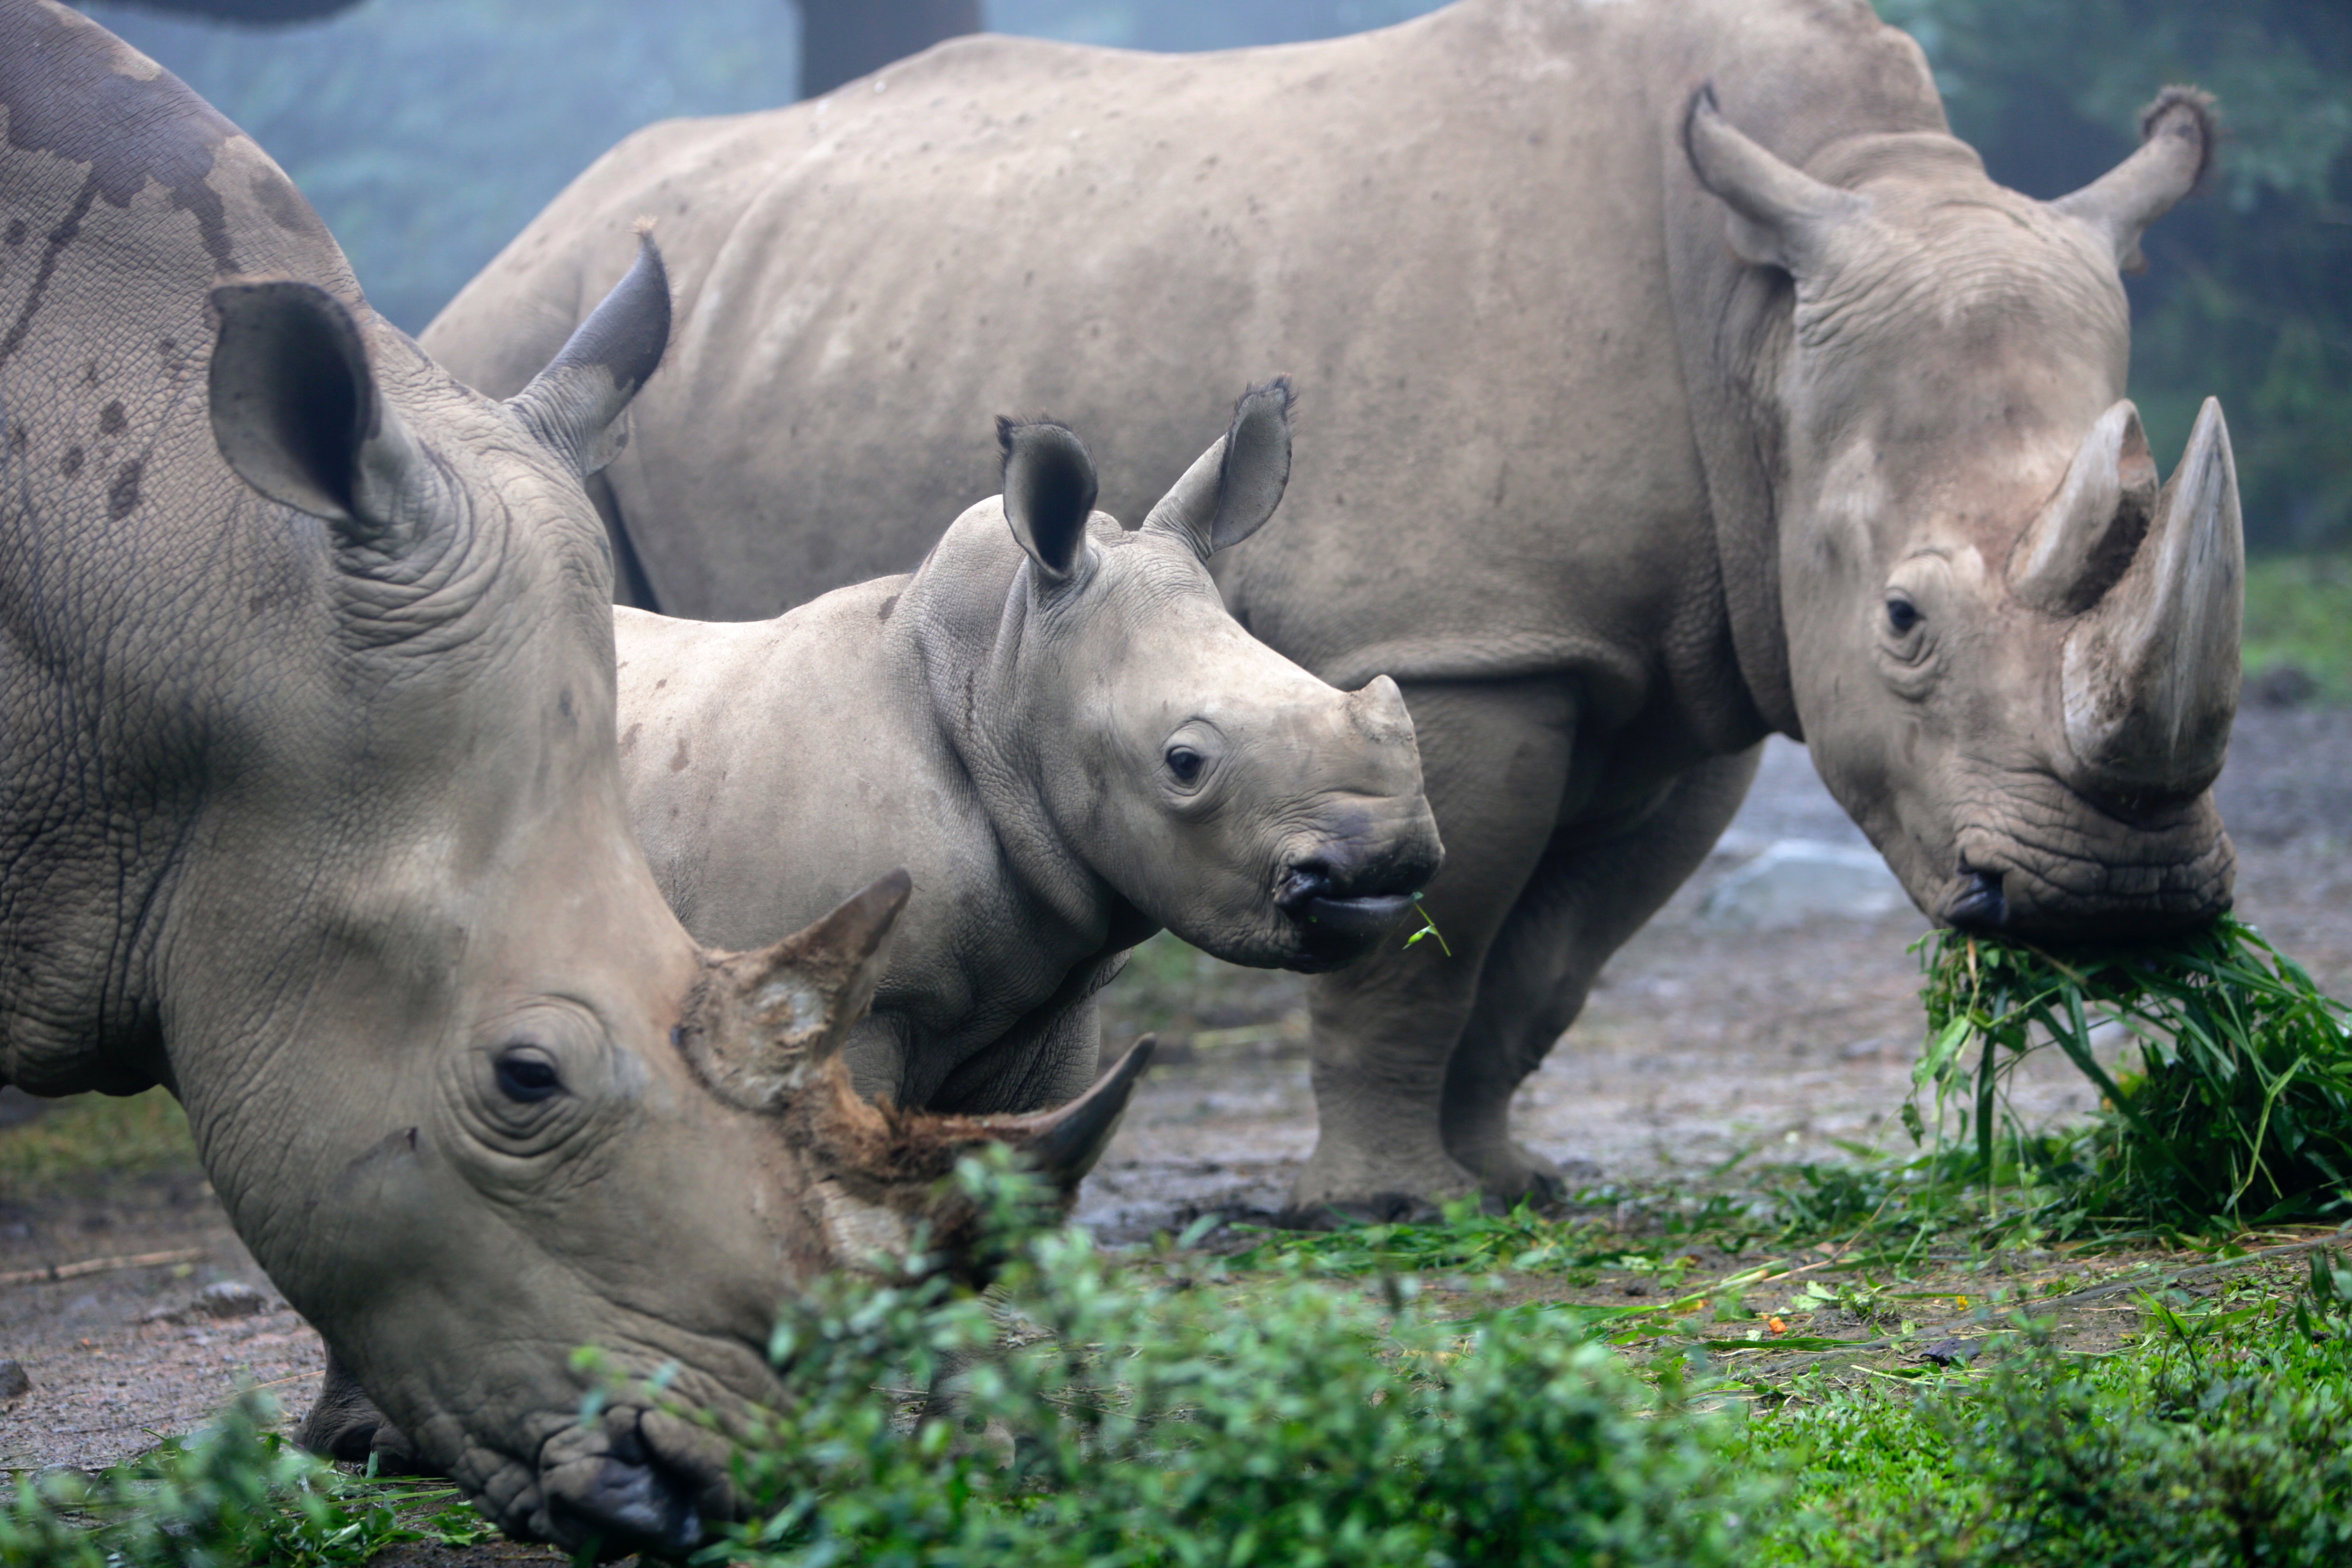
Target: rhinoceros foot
(346,1427)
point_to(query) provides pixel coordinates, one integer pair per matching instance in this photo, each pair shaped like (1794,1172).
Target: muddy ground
(1699,1043)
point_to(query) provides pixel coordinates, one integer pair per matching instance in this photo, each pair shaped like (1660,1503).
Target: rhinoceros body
(1643,418)
(1060,730)
(310,811)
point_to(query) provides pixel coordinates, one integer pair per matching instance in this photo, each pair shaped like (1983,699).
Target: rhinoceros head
(1220,789)
(2013,655)
(509,1109)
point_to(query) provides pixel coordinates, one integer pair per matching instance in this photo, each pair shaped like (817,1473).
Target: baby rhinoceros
(1057,727)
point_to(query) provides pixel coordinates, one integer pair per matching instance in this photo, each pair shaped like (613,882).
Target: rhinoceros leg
(1581,905)
(1494,759)
(346,1427)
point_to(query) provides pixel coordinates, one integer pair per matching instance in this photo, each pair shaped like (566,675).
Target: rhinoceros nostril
(1301,883)
(1980,904)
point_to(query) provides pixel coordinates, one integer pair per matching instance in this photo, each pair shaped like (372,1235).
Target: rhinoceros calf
(310,811)
(1060,730)
(1647,421)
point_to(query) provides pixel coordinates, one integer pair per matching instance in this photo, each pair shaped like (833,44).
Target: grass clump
(237,1495)
(2237,1112)
(1225,1419)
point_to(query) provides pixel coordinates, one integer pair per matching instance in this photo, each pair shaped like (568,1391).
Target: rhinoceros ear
(2177,137)
(1233,487)
(298,416)
(574,405)
(1049,493)
(1781,216)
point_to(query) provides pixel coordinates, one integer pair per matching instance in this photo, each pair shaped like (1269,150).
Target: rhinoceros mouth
(1365,919)
(610,1488)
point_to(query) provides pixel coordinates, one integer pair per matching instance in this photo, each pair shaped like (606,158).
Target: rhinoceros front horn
(762,1024)
(2150,674)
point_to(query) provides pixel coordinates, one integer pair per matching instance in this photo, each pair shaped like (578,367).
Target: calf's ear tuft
(1049,493)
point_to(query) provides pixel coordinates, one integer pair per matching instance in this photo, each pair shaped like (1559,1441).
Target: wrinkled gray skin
(1058,730)
(310,812)
(1634,414)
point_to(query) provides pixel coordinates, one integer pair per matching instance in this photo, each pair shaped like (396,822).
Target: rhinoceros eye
(1185,763)
(525,1074)
(1902,615)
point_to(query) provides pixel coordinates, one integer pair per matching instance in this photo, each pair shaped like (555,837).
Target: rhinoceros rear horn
(2149,675)
(574,404)
(2178,134)
(297,412)
(1231,489)
(762,1024)
(1064,1143)
(1781,216)
(2089,531)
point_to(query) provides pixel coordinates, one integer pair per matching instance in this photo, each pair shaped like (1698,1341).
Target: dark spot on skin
(678,762)
(662,682)
(285,206)
(888,604)
(167,347)
(17,230)
(629,741)
(89,373)
(19,439)
(110,419)
(564,703)
(71,464)
(124,496)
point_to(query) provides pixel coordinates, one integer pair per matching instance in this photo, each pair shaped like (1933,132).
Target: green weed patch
(237,1496)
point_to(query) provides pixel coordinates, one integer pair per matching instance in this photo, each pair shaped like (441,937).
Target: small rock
(228,1299)
(2281,685)
(1796,882)
(14,1384)
(1951,1352)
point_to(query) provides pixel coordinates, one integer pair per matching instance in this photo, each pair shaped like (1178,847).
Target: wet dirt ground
(1699,1043)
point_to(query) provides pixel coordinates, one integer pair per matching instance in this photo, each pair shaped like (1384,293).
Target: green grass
(2237,1112)
(2299,612)
(93,1134)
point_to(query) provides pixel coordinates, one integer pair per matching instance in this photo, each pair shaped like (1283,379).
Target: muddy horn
(2149,675)
(762,1024)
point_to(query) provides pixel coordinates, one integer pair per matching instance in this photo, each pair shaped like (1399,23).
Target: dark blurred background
(428,132)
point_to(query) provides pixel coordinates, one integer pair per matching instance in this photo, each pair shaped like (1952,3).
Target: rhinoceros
(310,812)
(1646,417)
(1056,727)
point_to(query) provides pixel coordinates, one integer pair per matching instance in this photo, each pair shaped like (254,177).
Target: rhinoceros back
(133,562)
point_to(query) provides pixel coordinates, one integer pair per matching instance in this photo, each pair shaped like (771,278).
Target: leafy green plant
(1229,1419)
(237,1495)
(2240,1110)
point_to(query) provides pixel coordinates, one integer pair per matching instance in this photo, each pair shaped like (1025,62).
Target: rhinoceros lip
(1352,920)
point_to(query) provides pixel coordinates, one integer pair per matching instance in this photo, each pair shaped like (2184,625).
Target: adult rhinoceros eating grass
(1061,732)
(1644,420)
(310,811)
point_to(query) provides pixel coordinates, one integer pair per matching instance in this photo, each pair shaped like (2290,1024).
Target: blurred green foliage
(2299,614)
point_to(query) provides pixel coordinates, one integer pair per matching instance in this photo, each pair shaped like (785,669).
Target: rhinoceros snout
(604,1487)
(1979,904)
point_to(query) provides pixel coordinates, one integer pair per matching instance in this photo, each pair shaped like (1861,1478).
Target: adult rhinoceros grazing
(310,811)
(1645,420)
(1061,732)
